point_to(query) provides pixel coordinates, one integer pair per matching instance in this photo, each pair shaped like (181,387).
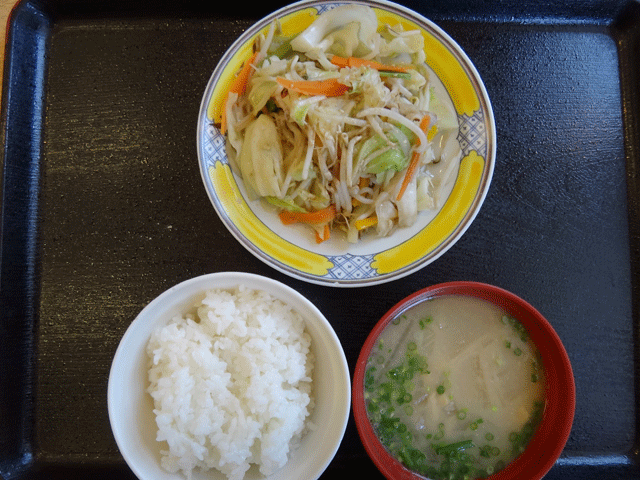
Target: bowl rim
(329,267)
(553,432)
(226,280)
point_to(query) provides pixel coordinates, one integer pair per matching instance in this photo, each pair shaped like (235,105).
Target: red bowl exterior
(551,436)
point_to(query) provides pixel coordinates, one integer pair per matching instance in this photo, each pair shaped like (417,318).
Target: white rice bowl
(231,383)
(231,389)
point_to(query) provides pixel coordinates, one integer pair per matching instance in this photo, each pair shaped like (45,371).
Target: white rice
(231,384)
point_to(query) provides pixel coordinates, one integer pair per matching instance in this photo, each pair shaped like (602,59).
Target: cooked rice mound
(231,384)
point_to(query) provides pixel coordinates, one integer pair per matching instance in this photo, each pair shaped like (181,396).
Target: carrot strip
(413,164)
(312,218)
(239,86)
(341,62)
(330,87)
(424,124)
(355,62)
(325,236)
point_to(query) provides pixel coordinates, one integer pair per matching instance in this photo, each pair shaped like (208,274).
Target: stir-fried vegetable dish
(342,127)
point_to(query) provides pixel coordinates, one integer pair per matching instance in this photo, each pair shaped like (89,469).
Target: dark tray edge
(24,90)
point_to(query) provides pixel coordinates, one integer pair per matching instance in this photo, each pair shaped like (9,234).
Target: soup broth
(454,388)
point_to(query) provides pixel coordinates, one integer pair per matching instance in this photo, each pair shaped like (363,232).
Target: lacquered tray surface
(103,208)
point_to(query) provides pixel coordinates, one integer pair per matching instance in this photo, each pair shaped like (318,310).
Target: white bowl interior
(131,407)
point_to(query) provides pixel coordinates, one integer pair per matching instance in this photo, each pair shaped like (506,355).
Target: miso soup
(454,388)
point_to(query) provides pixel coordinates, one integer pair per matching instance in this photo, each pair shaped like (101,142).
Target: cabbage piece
(321,198)
(346,42)
(285,204)
(396,157)
(296,169)
(446,118)
(416,81)
(385,177)
(273,67)
(312,37)
(260,157)
(392,158)
(407,205)
(260,94)
(399,42)
(369,146)
(234,137)
(402,136)
(367,82)
(314,197)
(425,193)
(353,235)
(300,107)
(299,112)
(280,46)
(386,212)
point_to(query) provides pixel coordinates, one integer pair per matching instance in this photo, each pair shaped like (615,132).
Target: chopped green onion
(424,322)
(485,451)
(452,447)
(440,433)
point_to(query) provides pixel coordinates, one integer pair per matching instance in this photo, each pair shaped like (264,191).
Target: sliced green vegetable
(280,46)
(452,447)
(300,108)
(284,203)
(386,73)
(261,159)
(394,158)
(446,118)
(260,94)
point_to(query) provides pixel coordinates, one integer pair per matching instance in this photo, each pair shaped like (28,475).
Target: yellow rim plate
(292,249)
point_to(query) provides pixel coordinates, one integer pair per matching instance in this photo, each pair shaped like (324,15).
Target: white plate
(373,260)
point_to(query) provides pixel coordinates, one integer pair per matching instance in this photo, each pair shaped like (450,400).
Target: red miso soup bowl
(400,371)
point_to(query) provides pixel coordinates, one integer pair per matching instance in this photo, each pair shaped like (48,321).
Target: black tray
(103,208)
